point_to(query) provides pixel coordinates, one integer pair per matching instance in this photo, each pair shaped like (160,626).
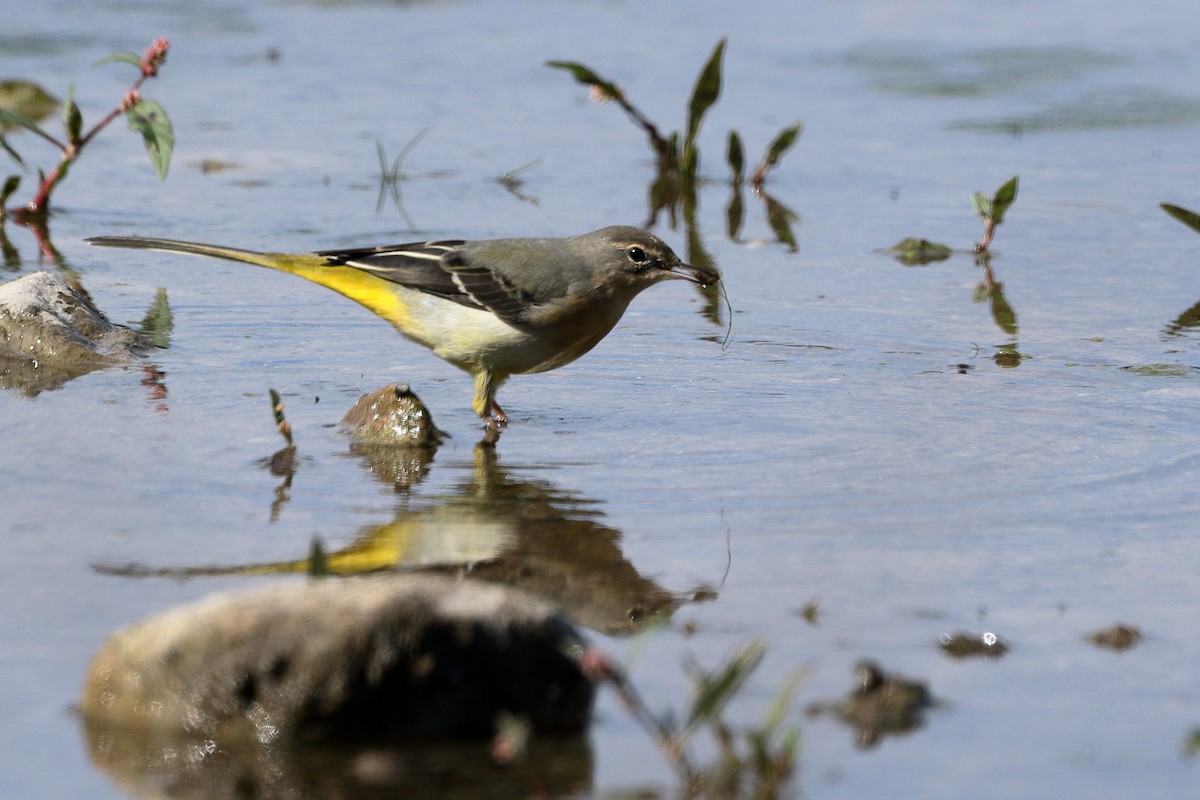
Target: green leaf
(11,184)
(1189,218)
(704,94)
(782,704)
(1191,744)
(587,77)
(780,219)
(72,118)
(1004,198)
(159,322)
(736,157)
(735,214)
(691,163)
(982,205)
(127,58)
(12,119)
(673,145)
(60,172)
(1002,313)
(1188,319)
(26,99)
(715,689)
(150,119)
(783,142)
(13,154)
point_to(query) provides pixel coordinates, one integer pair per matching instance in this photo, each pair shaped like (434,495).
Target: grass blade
(735,155)
(1189,218)
(1004,198)
(587,77)
(706,92)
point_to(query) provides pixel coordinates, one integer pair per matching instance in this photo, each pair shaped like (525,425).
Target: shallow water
(833,453)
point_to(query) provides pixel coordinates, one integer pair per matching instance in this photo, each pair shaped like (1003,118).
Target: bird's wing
(439,268)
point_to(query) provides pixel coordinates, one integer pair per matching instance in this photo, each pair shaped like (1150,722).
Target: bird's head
(631,259)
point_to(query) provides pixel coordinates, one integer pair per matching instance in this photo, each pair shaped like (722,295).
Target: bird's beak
(704,276)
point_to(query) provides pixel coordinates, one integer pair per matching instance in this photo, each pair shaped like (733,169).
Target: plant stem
(39,207)
(661,145)
(668,741)
(601,670)
(989,230)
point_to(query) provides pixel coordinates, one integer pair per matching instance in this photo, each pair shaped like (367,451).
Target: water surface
(857,445)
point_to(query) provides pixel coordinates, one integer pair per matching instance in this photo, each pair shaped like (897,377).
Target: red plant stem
(44,244)
(49,138)
(989,231)
(40,204)
(668,742)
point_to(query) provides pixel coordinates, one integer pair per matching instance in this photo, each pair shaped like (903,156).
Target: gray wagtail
(495,307)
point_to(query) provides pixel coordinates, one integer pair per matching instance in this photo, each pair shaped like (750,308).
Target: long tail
(281,261)
(382,297)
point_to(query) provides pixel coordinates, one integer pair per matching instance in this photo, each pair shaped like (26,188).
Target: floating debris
(914,252)
(1119,637)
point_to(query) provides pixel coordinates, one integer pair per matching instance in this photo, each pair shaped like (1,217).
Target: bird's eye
(637,255)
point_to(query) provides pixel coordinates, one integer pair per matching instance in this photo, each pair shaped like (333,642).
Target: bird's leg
(487,408)
(485,404)
(485,394)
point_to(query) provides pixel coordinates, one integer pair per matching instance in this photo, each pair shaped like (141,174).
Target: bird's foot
(498,415)
(491,431)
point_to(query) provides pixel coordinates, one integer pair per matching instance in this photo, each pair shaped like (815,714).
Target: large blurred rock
(149,766)
(51,333)
(373,657)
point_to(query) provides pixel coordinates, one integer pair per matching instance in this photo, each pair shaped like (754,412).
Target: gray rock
(51,333)
(375,657)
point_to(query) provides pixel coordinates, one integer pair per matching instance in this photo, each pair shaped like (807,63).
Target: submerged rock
(375,657)
(973,645)
(51,333)
(881,704)
(912,251)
